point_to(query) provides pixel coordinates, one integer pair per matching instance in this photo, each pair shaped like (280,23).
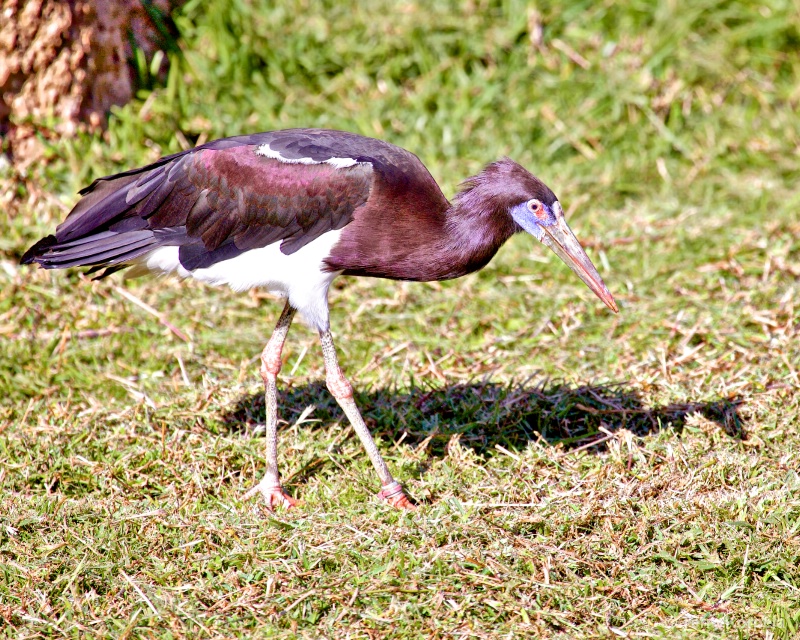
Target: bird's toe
(278,497)
(274,495)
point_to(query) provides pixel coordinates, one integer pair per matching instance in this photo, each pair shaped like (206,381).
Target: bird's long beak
(565,245)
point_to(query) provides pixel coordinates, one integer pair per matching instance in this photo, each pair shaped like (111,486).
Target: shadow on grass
(490,414)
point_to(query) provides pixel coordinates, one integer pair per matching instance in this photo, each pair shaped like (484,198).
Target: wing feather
(214,202)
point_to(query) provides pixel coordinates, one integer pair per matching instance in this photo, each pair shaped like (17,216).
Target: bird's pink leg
(341,389)
(270,485)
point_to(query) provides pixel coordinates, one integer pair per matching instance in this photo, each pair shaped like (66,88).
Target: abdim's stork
(292,210)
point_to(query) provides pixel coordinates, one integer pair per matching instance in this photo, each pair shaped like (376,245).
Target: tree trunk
(64,63)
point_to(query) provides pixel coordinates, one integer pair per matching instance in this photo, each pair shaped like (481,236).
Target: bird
(291,210)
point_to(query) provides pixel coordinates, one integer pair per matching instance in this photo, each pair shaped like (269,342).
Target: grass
(580,474)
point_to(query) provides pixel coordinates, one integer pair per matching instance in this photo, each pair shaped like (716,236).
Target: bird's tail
(102,249)
(104,229)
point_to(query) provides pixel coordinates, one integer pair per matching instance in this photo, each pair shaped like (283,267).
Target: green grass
(580,474)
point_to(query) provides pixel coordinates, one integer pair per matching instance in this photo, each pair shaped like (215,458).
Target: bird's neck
(421,244)
(470,240)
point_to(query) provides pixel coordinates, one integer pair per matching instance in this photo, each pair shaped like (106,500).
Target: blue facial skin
(532,222)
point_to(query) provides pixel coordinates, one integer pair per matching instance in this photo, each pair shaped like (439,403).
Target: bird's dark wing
(214,202)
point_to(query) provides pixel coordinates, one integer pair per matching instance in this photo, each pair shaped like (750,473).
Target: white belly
(298,276)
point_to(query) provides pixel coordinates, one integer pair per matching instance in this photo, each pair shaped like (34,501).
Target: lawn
(580,474)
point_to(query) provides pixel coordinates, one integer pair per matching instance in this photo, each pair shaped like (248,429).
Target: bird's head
(506,189)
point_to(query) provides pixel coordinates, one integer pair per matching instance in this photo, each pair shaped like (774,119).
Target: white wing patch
(339,163)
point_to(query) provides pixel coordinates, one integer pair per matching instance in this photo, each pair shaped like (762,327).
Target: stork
(290,211)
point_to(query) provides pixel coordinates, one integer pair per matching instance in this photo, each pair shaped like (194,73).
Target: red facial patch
(538,210)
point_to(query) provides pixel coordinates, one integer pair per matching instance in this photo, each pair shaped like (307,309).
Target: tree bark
(64,63)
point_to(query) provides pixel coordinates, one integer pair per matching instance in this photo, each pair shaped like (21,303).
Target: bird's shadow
(485,415)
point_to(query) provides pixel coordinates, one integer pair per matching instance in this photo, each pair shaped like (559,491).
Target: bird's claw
(396,497)
(273,493)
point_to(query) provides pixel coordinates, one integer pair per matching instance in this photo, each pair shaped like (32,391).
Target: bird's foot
(273,493)
(394,494)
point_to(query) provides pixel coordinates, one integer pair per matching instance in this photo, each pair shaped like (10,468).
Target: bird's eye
(534,206)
